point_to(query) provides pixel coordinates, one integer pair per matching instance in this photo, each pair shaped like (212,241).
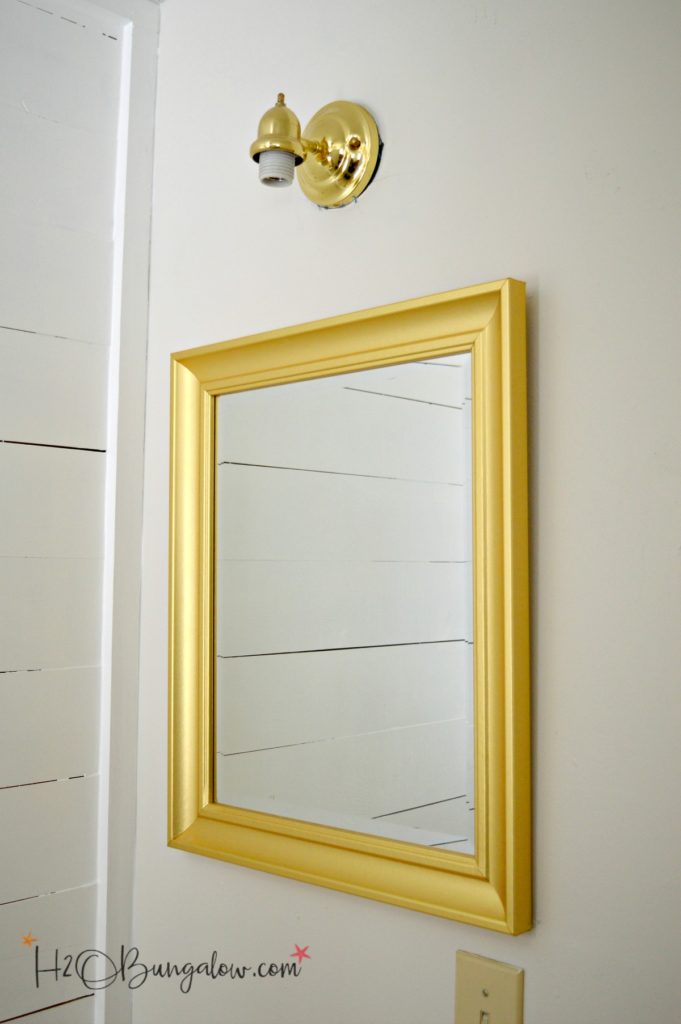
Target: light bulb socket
(276,168)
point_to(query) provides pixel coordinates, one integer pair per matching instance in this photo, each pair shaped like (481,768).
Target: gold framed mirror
(349,625)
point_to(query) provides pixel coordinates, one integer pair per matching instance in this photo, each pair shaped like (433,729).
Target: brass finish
(279,128)
(342,145)
(491,888)
(340,149)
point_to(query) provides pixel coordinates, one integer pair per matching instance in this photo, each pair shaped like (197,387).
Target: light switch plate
(487,991)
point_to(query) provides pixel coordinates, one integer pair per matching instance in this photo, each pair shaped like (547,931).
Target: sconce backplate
(342,145)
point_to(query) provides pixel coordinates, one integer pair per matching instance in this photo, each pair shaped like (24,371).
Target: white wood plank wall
(60,89)
(344,585)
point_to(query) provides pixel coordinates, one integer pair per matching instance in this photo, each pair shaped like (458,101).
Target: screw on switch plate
(487,991)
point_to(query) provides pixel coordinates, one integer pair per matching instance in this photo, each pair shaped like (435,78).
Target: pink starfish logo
(302,954)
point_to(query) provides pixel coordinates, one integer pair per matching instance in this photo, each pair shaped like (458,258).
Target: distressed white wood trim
(62,920)
(55,281)
(56,174)
(143,17)
(49,499)
(118,739)
(50,612)
(74,82)
(52,390)
(61,311)
(48,725)
(59,816)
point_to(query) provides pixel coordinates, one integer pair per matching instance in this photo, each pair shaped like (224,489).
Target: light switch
(487,991)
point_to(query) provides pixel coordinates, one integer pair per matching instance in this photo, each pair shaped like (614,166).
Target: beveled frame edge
(491,889)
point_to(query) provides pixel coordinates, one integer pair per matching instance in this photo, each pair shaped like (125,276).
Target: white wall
(77,89)
(61,85)
(524,138)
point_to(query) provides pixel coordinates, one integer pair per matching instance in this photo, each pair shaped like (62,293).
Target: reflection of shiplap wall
(59,97)
(343,600)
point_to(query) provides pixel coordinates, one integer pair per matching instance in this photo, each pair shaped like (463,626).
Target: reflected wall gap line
(403,398)
(340,737)
(450,842)
(338,472)
(358,647)
(417,807)
(351,561)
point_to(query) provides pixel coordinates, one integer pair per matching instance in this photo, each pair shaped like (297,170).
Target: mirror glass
(343,597)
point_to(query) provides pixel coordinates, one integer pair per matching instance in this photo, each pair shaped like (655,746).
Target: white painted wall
(77,86)
(525,138)
(61,85)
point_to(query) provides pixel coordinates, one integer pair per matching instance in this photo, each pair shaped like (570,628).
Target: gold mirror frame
(492,887)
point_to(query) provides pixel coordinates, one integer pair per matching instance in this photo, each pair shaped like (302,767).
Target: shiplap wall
(60,89)
(344,601)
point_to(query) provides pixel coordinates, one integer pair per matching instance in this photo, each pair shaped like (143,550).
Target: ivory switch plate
(487,991)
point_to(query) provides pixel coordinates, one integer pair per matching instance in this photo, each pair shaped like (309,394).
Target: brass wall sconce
(337,155)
